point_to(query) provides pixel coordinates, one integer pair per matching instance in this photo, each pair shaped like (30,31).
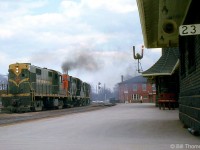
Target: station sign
(193,29)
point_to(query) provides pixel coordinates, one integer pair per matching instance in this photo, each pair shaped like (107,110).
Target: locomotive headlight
(17,70)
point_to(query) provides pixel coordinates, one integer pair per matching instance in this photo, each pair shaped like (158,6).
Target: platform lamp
(138,57)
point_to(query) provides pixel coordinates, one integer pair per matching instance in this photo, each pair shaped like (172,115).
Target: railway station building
(137,89)
(165,74)
(174,25)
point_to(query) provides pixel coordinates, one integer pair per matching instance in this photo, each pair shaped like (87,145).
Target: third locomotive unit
(31,88)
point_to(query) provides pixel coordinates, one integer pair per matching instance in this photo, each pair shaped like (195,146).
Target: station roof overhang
(165,66)
(160,21)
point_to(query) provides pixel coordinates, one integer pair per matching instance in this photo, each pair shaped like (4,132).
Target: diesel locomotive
(32,88)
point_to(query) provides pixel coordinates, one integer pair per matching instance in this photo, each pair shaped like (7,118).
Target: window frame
(135,87)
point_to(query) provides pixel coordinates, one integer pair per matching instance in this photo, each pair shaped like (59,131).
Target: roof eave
(165,73)
(156,16)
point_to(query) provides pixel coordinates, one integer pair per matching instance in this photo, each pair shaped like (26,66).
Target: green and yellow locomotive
(31,88)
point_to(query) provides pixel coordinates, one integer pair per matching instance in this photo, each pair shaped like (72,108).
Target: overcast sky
(92,38)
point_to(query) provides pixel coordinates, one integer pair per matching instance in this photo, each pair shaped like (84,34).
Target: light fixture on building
(138,57)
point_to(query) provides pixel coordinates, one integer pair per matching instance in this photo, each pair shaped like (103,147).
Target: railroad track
(7,119)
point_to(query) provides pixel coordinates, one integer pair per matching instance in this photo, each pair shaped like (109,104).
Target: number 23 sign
(192,29)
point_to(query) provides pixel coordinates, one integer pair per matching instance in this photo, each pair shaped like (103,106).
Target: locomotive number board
(192,29)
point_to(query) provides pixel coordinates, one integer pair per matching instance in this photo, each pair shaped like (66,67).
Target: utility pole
(104,92)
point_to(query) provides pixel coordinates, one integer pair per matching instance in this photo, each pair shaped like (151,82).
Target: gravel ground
(6,119)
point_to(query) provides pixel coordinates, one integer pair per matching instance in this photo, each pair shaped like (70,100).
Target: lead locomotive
(31,88)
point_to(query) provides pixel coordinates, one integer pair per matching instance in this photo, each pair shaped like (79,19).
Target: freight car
(32,88)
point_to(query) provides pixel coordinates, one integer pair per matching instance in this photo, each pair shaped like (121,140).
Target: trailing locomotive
(31,88)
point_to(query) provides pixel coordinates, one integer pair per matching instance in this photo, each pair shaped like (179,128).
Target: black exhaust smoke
(83,61)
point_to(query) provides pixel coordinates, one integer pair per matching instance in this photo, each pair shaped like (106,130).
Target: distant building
(137,89)
(3,82)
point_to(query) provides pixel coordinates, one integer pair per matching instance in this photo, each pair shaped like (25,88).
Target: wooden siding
(189,99)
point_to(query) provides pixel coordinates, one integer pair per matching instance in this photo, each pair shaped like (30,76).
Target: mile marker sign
(192,29)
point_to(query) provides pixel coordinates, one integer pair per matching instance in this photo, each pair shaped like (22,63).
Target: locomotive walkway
(122,127)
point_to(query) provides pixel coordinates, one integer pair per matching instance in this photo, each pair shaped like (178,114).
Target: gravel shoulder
(7,119)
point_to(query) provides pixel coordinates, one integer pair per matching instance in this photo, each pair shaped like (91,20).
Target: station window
(153,87)
(187,51)
(182,51)
(125,88)
(191,53)
(135,87)
(135,96)
(145,97)
(144,87)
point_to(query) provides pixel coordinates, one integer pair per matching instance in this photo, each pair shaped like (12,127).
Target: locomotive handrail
(45,89)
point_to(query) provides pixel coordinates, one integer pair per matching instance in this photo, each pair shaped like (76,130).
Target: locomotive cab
(17,98)
(19,76)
